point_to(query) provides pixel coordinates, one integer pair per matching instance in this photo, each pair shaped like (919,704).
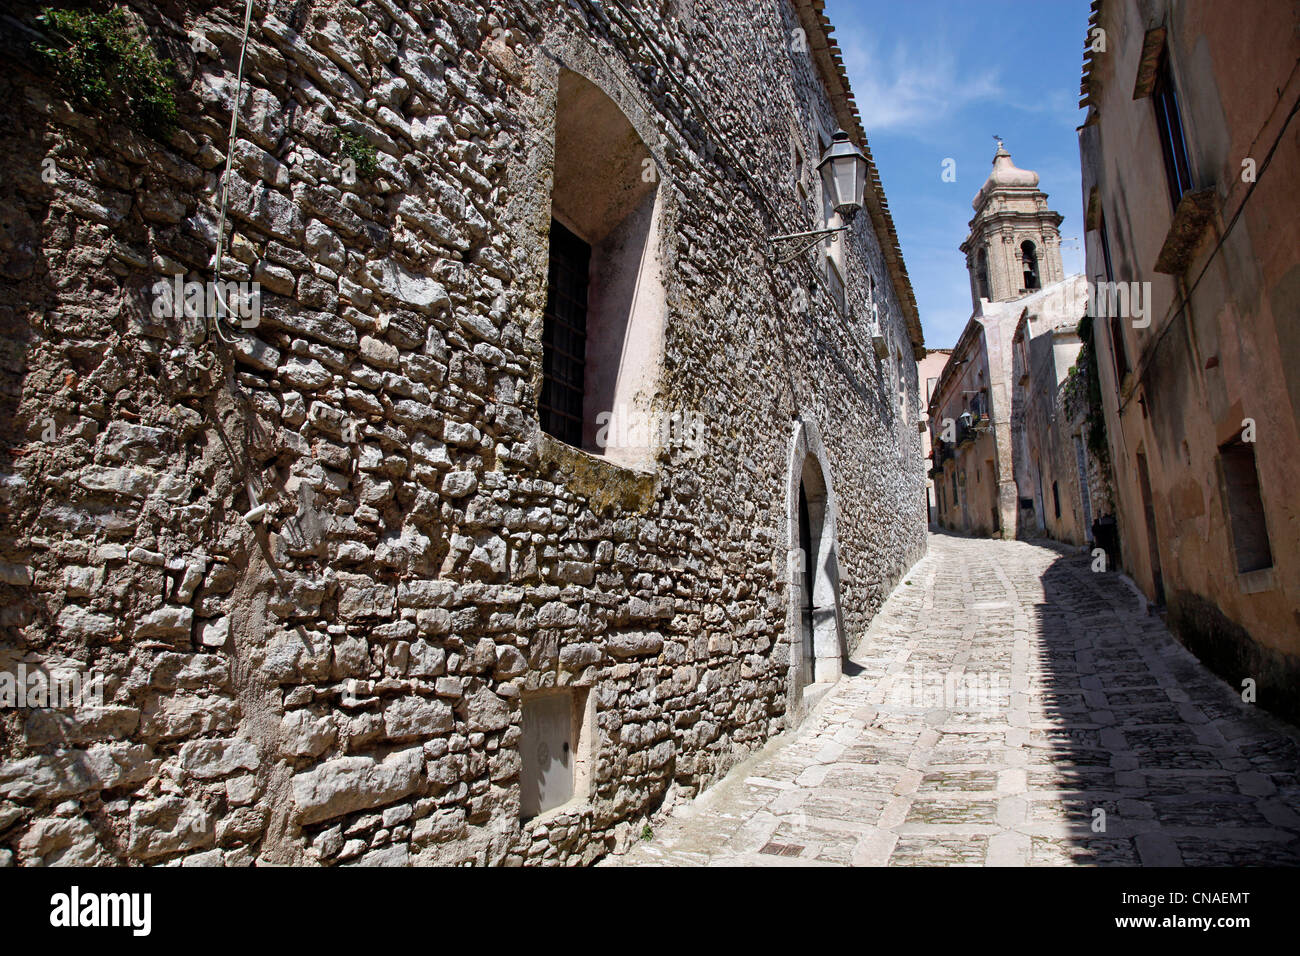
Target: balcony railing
(943,452)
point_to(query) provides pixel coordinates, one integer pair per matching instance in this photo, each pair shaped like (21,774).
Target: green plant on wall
(104,63)
(361,152)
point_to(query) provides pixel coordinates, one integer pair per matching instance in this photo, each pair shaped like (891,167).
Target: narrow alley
(1008,706)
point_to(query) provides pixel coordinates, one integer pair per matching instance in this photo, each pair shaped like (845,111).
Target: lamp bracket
(813,238)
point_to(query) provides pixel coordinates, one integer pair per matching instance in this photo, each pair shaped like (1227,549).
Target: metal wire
(225,179)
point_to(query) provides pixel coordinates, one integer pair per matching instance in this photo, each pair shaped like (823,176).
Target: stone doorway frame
(808,467)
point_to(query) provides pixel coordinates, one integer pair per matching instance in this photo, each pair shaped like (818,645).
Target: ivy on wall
(357,148)
(104,62)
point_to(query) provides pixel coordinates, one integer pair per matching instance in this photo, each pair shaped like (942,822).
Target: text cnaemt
(1200,896)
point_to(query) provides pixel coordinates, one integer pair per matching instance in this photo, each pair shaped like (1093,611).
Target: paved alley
(1008,707)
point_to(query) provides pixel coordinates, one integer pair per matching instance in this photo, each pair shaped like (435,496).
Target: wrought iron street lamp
(843,169)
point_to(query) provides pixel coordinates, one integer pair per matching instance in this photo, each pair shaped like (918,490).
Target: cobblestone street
(1079,732)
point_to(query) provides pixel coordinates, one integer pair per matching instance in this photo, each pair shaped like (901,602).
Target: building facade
(1189,159)
(1064,487)
(992,422)
(533,495)
(928,371)
(966,467)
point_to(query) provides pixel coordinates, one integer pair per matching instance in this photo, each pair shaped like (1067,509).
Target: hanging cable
(257,508)
(225,179)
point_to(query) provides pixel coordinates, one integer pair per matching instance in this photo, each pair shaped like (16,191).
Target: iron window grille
(564,336)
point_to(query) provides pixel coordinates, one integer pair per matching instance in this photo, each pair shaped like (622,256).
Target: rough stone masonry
(339,676)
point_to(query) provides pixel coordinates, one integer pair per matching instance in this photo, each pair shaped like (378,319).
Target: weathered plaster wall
(1044,350)
(1049,439)
(1220,346)
(928,368)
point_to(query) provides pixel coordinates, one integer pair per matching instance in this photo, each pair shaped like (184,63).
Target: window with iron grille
(1169,123)
(603,320)
(564,336)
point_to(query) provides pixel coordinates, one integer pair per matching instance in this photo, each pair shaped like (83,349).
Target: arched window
(982,274)
(602,336)
(1031,265)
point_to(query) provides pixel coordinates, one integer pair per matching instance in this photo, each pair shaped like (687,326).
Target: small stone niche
(556,749)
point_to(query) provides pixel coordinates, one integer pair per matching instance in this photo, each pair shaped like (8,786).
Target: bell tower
(1014,245)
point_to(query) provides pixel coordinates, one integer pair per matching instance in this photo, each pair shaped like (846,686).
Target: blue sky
(935,79)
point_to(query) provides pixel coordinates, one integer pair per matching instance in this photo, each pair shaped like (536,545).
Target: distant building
(1190,162)
(1064,488)
(987,481)
(928,371)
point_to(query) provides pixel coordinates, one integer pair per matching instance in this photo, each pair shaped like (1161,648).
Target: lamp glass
(844,169)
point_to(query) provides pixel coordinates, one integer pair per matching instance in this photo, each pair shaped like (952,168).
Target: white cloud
(913,86)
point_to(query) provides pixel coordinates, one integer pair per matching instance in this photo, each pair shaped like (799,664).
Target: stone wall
(317,570)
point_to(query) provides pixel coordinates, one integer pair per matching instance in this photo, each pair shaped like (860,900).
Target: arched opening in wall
(1030,259)
(602,338)
(982,274)
(817,579)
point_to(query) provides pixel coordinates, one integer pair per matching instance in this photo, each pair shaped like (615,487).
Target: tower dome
(1005,173)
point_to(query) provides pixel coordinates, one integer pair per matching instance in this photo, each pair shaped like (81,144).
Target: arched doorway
(814,625)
